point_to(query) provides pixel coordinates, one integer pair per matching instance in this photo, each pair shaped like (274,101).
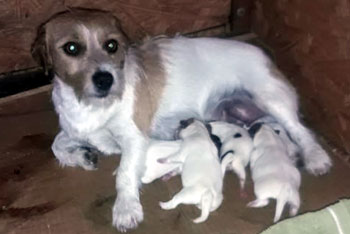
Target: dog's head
(86,50)
(191,126)
(292,147)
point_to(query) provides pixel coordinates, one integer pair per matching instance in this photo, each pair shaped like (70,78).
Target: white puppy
(235,149)
(273,173)
(156,150)
(291,147)
(201,174)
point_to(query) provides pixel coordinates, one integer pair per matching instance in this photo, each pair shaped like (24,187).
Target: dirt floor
(38,196)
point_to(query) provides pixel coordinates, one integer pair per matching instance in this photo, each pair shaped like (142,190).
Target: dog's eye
(72,48)
(111,46)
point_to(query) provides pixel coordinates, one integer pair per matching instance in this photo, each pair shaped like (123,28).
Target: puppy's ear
(209,128)
(216,140)
(254,129)
(39,50)
(185,123)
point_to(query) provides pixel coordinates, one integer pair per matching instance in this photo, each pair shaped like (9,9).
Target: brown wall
(311,41)
(19,20)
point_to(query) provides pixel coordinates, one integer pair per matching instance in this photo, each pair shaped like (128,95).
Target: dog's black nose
(102,80)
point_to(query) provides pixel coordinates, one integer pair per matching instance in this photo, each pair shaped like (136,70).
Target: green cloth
(319,222)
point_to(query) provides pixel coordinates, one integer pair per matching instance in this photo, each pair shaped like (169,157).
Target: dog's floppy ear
(124,38)
(39,50)
(185,123)
(216,140)
(254,129)
(209,128)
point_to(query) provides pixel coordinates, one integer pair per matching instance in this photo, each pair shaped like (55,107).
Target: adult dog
(111,96)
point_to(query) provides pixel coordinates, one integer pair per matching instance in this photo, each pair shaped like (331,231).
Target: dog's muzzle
(103,82)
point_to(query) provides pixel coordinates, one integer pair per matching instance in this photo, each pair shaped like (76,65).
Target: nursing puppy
(156,150)
(235,149)
(273,173)
(111,96)
(201,174)
(292,148)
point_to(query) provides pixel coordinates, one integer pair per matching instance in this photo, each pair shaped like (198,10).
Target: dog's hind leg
(239,169)
(71,152)
(171,174)
(285,110)
(294,203)
(188,195)
(258,203)
(226,161)
(175,158)
(206,202)
(280,203)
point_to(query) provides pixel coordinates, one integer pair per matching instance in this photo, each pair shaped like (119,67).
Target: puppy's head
(292,147)
(191,126)
(86,50)
(254,129)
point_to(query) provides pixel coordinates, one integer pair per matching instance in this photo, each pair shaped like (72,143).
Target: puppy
(235,149)
(153,169)
(201,174)
(292,148)
(273,173)
(113,96)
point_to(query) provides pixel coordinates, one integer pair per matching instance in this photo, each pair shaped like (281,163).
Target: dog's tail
(206,203)
(290,195)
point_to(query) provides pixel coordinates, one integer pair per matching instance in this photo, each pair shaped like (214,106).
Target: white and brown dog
(273,173)
(111,97)
(201,174)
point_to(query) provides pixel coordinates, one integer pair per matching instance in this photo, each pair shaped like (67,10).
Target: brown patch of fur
(150,87)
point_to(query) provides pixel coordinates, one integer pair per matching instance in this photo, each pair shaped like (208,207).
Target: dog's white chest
(79,119)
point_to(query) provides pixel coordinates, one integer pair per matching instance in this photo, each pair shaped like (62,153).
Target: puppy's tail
(206,203)
(290,195)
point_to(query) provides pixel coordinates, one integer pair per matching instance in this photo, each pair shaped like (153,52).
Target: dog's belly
(201,73)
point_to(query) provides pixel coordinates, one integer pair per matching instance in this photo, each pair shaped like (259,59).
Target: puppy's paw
(258,203)
(127,213)
(317,161)
(170,175)
(162,160)
(166,205)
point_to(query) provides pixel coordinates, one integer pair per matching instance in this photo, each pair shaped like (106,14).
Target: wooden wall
(20,18)
(311,41)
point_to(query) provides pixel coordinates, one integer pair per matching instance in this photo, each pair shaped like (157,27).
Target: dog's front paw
(83,157)
(127,213)
(91,157)
(317,161)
